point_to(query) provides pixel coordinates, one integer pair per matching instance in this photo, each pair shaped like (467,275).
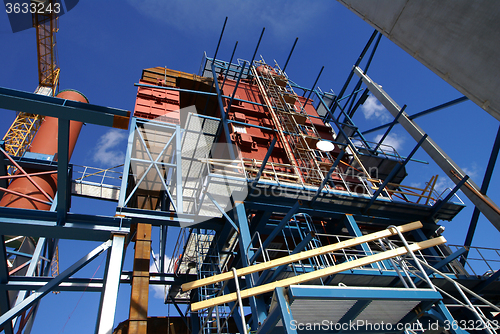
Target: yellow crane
(22,131)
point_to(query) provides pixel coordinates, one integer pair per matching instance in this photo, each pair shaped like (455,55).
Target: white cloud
(201,16)
(372,109)
(391,140)
(158,291)
(106,152)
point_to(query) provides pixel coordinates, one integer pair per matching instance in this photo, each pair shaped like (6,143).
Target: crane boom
(22,131)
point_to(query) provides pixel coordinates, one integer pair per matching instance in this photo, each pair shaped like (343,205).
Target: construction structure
(288,219)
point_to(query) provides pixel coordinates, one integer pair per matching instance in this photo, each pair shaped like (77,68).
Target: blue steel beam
(276,230)
(299,248)
(255,52)
(290,54)
(439,204)
(63,109)
(484,189)
(352,227)
(420,114)
(235,88)
(228,67)
(354,311)
(286,312)
(245,240)
(481,286)
(389,128)
(35,296)
(220,38)
(349,77)
(270,323)
(264,162)
(316,292)
(394,172)
(4,279)
(327,177)
(314,85)
(443,262)
(62,171)
(223,113)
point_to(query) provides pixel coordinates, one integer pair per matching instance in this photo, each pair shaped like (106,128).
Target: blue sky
(104,45)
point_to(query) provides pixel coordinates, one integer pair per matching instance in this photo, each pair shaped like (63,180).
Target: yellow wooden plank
(316,274)
(300,256)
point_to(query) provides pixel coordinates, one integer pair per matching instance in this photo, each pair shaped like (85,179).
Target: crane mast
(22,131)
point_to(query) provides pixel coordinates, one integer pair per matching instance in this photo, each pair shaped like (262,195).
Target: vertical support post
(240,302)
(286,313)
(314,85)
(4,279)
(484,189)
(353,228)
(62,170)
(178,168)
(138,315)
(126,166)
(106,315)
(256,304)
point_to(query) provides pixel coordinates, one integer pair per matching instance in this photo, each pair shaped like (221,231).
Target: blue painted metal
(228,108)
(481,286)
(299,248)
(484,189)
(443,311)
(444,262)
(228,66)
(255,52)
(354,293)
(314,85)
(353,228)
(420,114)
(286,312)
(290,54)
(178,169)
(276,230)
(222,211)
(44,224)
(257,304)
(439,204)
(26,303)
(63,183)
(389,128)
(223,113)
(4,279)
(63,109)
(354,311)
(270,323)
(394,172)
(264,162)
(349,77)
(220,38)
(327,177)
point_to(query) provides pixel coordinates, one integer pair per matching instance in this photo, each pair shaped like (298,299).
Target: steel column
(106,315)
(484,189)
(482,202)
(138,315)
(35,296)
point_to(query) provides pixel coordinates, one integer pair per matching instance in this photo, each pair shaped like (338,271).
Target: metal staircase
(296,131)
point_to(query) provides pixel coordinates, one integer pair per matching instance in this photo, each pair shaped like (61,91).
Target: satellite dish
(325,146)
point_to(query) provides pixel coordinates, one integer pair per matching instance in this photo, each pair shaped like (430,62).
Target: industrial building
(289,220)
